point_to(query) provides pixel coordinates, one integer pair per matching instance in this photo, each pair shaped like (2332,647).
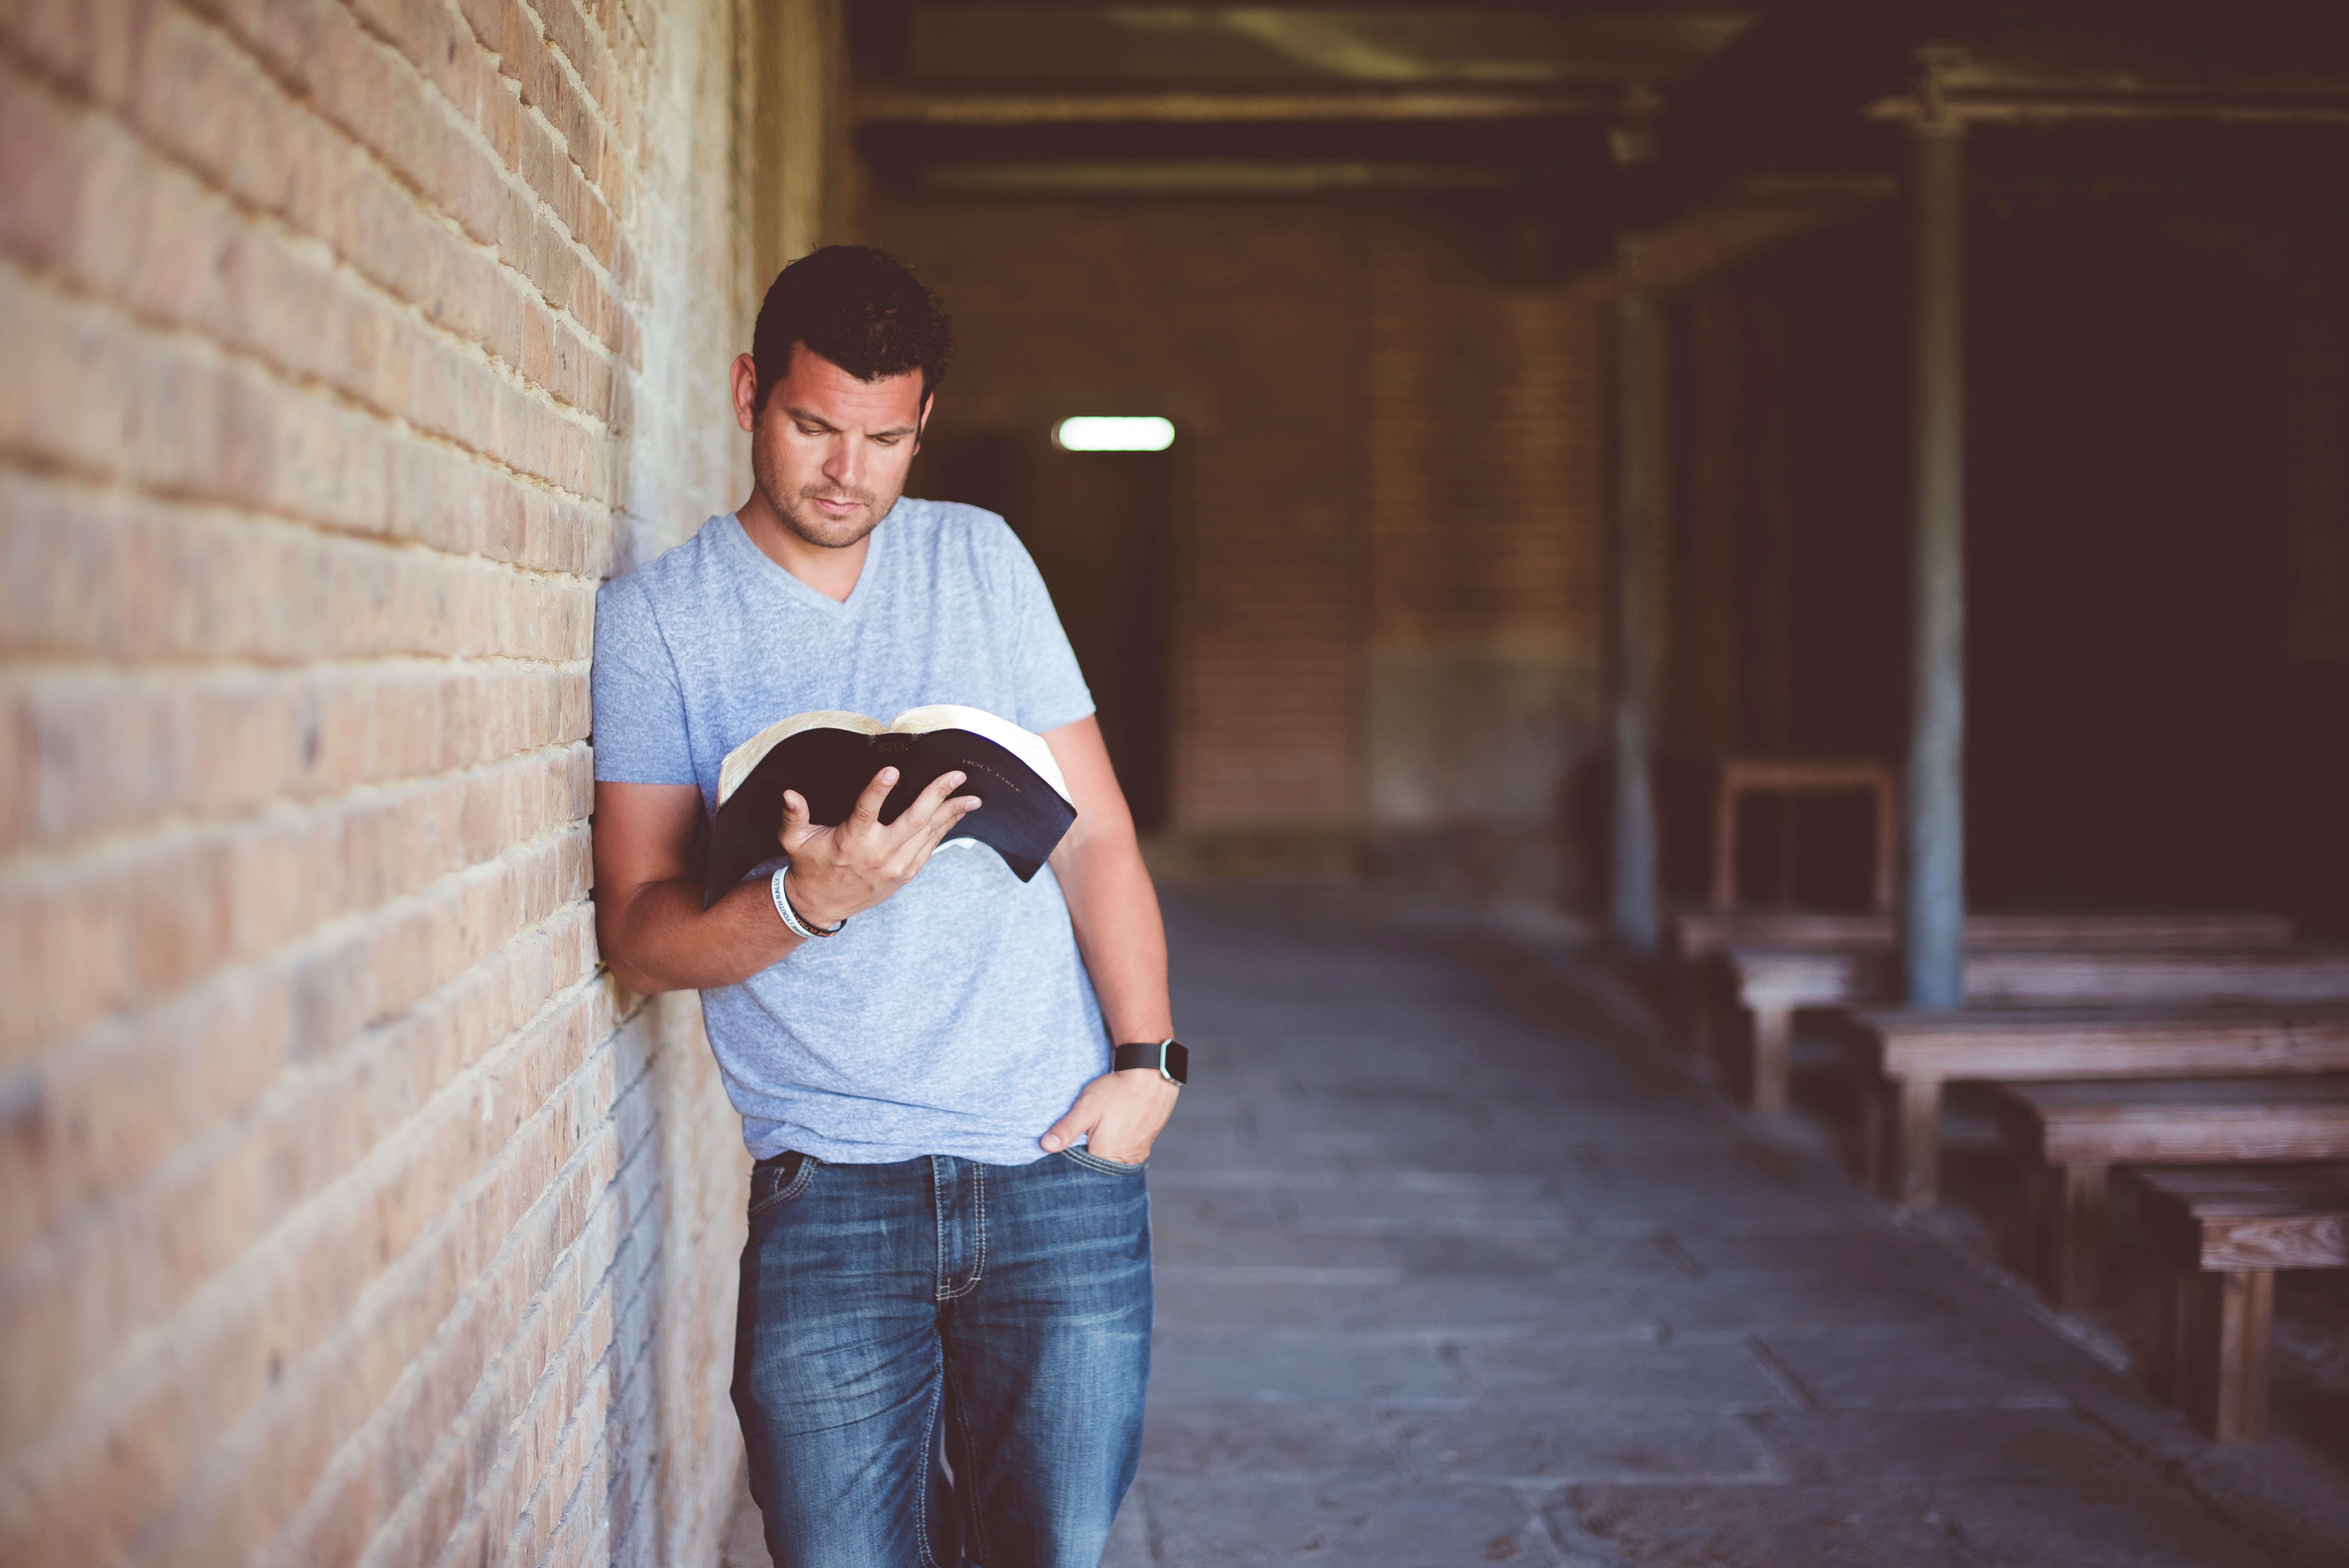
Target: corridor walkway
(1453,1267)
(1456,1268)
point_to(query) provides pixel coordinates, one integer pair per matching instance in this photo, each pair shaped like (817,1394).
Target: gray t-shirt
(955,1017)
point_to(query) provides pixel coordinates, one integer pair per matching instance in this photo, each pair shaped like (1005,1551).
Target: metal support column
(1633,911)
(1933,892)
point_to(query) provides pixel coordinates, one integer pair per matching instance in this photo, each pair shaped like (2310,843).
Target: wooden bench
(1693,934)
(1909,1056)
(2222,1232)
(2071,1135)
(1771,988)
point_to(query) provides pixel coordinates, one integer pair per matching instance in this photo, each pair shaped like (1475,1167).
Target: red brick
(552,1264)
(324,381)
(104,398)
(357,1284)
(20,762)
(116,749)
(367,91)
(561,1448)
(394,1477)
(191,94)
(129,929)
(98,575)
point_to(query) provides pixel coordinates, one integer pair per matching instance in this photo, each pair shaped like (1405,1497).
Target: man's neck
(831,572)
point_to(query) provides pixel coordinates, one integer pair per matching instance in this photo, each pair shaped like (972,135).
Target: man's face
(829,451)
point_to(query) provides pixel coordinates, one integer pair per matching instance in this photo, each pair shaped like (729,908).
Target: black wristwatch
(1166,1058)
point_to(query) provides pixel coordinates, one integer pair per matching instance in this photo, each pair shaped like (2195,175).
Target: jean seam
(930,1459)
(938,1211)
(789,1190)
(978,1210)
(1092,1161)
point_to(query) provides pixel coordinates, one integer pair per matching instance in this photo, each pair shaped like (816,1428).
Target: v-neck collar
(790,582)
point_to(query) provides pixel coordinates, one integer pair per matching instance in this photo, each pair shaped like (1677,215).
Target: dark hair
(861,308)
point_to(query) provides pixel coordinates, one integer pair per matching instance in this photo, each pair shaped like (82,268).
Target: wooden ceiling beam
(879,104)
(2029,79)
(2043,110)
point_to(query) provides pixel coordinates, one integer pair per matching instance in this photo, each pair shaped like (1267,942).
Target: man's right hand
(846,870)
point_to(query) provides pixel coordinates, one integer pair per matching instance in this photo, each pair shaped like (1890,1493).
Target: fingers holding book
(867,810)
(842,871)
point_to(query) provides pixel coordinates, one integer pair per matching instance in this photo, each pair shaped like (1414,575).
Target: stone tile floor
(1456,1265)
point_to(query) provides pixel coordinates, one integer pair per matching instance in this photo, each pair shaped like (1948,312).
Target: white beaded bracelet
(792,920)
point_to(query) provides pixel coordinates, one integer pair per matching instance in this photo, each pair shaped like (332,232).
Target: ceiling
(1600,117)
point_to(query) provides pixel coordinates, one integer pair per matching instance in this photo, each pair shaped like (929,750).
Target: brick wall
(1237,320)
(348,1211)
(1488,490)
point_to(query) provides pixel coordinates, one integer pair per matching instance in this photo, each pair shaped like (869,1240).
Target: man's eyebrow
(802,416)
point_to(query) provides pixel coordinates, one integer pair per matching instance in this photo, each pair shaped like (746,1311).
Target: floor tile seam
(1873,1336)
(1472,1399)
(1437,1334)
(1254,1480)
(1571,1228)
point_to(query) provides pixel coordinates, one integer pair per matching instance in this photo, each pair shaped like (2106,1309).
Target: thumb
(795,821)
(1079,1123)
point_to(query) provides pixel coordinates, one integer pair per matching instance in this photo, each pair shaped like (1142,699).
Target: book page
(1026,745)
(744,759)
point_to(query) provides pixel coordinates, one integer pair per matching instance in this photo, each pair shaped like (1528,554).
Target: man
(949,1248)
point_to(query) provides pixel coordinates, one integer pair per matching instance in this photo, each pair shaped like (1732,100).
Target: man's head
(848,349)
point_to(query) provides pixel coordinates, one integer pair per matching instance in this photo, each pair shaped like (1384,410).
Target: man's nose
(843,464)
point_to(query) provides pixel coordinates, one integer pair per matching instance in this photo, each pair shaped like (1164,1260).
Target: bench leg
(1887,845)
(1875,1134)
(1916,1157)
(1725,847)
(1773,1032)
(1710,1016)
(1679,1004)
(2221,1326)
(1728,1025)
(2063,1232)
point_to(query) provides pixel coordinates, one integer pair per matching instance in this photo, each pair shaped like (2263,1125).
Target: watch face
(1176,1062)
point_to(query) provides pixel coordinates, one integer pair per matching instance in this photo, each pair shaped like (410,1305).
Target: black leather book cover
(1022,816)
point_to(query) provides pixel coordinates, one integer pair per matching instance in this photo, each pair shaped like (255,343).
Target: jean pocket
(779,1179)
(1094,1161)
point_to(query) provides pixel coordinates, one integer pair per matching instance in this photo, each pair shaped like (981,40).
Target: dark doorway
(2130,736)
(1096,523)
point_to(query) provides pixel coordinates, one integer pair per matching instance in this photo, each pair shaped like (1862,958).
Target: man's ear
(746,392)
(922,419)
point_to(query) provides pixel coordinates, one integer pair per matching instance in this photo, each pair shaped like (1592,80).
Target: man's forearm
(1120,933)
(1122,940)
(658,937)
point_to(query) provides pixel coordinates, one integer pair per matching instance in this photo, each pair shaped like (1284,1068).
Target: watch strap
(1168,1058)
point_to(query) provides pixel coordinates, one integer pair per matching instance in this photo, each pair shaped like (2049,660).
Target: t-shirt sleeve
(640,713)
(1050,687)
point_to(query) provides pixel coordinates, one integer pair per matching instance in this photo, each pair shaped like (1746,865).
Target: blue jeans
(998,1313)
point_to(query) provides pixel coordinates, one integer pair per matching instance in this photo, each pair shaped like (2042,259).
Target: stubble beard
(797,511)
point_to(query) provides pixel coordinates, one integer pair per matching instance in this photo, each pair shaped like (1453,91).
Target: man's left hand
(1118,1115)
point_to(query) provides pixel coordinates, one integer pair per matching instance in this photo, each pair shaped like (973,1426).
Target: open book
(830,758)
